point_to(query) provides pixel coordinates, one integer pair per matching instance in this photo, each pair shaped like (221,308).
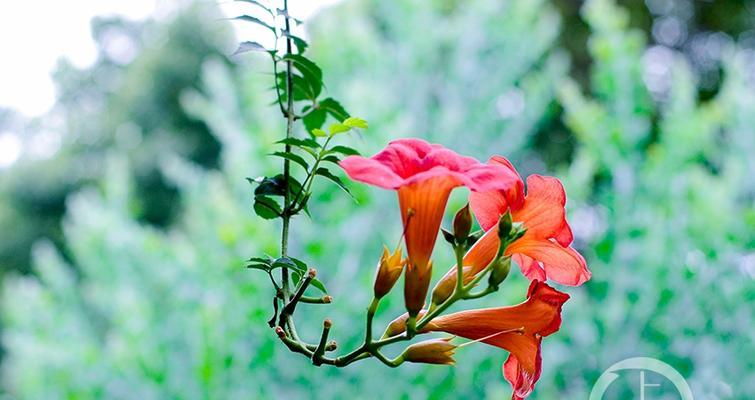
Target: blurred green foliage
(660,198)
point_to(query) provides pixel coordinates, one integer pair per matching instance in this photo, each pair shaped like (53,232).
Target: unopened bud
(280,332)
(433,351)
(327,299)
(398,325)
(416,284)
(327,323)
(312,273)
(332,346)
(446,285)
(388,270)
(504,226)
(499,271)
(462,224)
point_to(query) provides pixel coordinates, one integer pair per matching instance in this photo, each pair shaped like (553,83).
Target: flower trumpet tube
(423,175)
(543,252)
(518,329)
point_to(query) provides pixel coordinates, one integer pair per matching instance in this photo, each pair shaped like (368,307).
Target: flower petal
(488,206)
(561,264)
(543,211)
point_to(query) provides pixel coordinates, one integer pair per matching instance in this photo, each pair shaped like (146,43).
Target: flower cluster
(526,226)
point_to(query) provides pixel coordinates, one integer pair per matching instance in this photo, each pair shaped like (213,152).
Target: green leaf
(319,285)
(337,128)
(254,20)
(276,186)
(266,207)
(334,108)
(299,263)
(289,263)
(303,88)
(331,158)
(292,157)
(319,132)
(345,150)
(262,267)
(301,44)
(315,119)
(354,122)
(300,142)
(329,175)
(245,47)
(311,73)
(263,260)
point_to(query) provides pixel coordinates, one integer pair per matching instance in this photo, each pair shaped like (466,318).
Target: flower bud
(499,271)
(446,285)
(504,226)
(388,270)
(462,224)
(416,284)
(398,325)
(433,351)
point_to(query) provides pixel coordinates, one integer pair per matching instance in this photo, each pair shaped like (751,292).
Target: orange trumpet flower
(424,174)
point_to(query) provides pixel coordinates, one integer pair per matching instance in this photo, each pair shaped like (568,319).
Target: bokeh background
(125,217)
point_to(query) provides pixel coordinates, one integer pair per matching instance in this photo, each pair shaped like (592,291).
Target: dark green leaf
(334,108)
(249,46)
(327,174)
(315,119)
(296,276)
(262,267)
(254,20)
(266,207)
(331,158)
(289,263)
(303,88)
(300,142)
(316,283)
(311,73)
(301,44)
(263,260)
(299,263)
(343,150)
(292,157)
(271,186)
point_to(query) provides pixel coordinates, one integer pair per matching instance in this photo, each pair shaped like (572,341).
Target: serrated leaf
(331,158)
(289,263)
(301,264)
(345,150)
(319,285)
(245,47)
(300,142)
(311,73)
(266,207)
(301,44)
(337,128)
(303,88)
(334,108)
(263,260)
(324,172)
(319,133)
(292,157)
(354,122)
(259,266)
(315,119)
(254,20)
